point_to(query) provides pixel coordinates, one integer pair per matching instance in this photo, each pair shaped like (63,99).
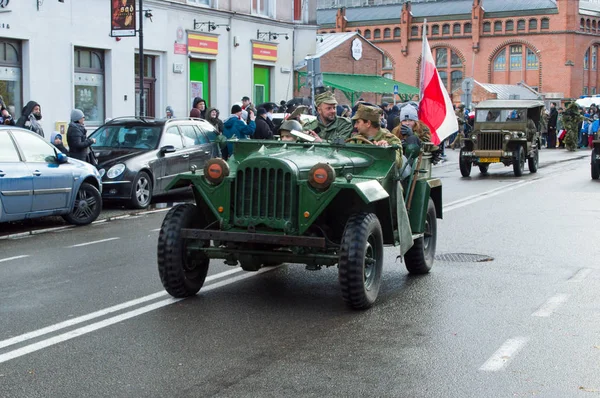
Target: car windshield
(500,115)
(123,136)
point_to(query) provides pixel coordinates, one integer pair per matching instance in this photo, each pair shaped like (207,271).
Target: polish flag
(435,106)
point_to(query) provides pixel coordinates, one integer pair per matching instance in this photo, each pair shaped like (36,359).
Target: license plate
(489,160)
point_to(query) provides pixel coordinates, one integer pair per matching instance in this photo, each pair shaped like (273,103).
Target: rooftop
(506,91)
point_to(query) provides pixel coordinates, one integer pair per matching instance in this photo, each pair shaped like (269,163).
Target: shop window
(264,7)
(456,76)
(396,32)
(532,60)
(89,84)
(467,28)
(533,24)
(545,23)
(441,57)
(446,29)
(510,26)
(516,57)
(435,30)
(500,61)
(521,25)
(367,34)
(498,26)
(487,27)
(387,33)
(456,29)
(10,76)
(377,34)
(414,31)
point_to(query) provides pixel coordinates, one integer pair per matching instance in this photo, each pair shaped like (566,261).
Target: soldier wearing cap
(328,125)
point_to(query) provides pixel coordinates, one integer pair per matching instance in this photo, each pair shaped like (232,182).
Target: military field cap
(370,113)
(325,98)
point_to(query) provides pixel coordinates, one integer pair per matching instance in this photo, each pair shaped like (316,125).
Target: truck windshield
(500,115)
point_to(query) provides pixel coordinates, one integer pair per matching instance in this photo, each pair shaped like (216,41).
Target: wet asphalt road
(83,313)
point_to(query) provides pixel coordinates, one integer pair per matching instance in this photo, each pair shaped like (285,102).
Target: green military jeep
(505,131)
(596,160)
(314,204)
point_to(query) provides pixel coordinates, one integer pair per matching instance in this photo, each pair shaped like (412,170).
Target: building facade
(549,45)
(61,54)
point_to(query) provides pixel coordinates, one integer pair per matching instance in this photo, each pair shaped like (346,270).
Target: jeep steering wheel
(359,138)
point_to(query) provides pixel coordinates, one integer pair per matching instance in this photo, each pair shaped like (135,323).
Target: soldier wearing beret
(328,124)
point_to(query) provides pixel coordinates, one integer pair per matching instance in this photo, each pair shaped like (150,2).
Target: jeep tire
(595,164)
(533,161)
(419,258)
(464,164)
(519,162)
(181,273)
(361,260)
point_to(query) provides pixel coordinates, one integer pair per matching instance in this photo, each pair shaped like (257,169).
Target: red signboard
(203,43)
(264,51)
(180,49)
(122,21)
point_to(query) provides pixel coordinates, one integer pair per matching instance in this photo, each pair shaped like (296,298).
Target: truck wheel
(519,162)
(419,258)
(595,165)
(533,162)
(361,260)
(465,165)
(483,168)
(181,273)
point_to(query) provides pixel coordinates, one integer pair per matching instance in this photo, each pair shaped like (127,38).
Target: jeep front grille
(264,195)
(490,141)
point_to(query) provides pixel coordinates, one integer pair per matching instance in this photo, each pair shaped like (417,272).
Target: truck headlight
(321,175)
(116,170)
(215,170)
(507,137)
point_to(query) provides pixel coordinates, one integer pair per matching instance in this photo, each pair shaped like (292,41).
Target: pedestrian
(246,102)
(328,125)
(234,127)
(552,125)
(200,104)
(263,130)
(79,144)
(195,113)
(58,143)
(460,118)
(169,112)
(30,118)
(393,114)
(5,116)
(213,118)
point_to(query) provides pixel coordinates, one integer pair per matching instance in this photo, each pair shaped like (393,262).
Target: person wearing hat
(410,118)
(77,139)
(287,127)
(169,112)
(263,130)
(328,125)
(58,143)
(234,127)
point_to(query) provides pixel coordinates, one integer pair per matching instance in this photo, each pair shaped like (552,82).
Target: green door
(199,81)
(262,84)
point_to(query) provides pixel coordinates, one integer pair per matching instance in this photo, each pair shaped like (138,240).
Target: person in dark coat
(30,118)
(77,137)
(394,113)
(263,130)
(552,123)
(59,144)
(5,116)
(212,116)
(200,104)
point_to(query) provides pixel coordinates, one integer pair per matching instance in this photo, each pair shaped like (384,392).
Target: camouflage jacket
(341,127)
(385,135)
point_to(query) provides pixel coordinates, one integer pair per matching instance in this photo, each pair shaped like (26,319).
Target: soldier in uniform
(328,125)
(460,117)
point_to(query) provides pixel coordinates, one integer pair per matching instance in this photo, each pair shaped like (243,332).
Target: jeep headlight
(474,137)
(507,137)
(215,170)
(116,170)
(321,175)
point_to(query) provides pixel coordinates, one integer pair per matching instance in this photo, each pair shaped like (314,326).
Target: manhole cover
(463,258)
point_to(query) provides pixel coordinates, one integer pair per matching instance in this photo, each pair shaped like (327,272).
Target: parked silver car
(37,180)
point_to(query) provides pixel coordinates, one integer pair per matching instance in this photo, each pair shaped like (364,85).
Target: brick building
(550,45)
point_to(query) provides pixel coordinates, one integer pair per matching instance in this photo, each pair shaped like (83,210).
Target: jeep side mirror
(167,149)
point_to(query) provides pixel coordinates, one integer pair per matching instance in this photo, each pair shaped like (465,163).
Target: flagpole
(423,38)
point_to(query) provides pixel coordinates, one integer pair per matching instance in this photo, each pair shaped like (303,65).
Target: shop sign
(180,48)
(4,6)
(122,18)
(203,43)
(264,52)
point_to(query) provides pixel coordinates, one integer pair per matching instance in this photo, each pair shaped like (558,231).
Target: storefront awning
(353,86)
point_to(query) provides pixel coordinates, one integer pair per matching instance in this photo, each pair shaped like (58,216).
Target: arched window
(516,57)
(446,29)
(545,23)
(594,26)
(449,64)
(387,33)
(456,29)
(396,32)
(435,30)
(367,34)
(594,58)
(358,31)
(586,60)
(487,27)
(533,24)
(467,28)
(377,34)
(521,25)
(532,60)
(510,26)
(456,76)
(582,24)
(414,31)
(588,25)
(498,26)
(500,61)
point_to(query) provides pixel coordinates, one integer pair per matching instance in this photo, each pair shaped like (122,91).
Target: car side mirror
(167,149)
(61,158)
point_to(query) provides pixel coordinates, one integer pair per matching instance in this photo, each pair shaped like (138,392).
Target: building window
(516,57)
(89,84)
(468,28)
(500,61)
(593,91)
(435,30)
(446,29)
(456,29)
(545,23)
(367,34)
(441,57)
(396,32)
(456,76)
(588,25)
(377,34)
(497,26)
(10,76)
(387,33)
(532,60)
(388,76)
(533,24)
(449,64)
(487,27)
(202,2)
(455,60)
(586,60)
(510,26)
(594,26)
(264,7)
(387,63)
(444,77)
(594,57)
(414,31)
(521,25)
(585,91)
(358,31)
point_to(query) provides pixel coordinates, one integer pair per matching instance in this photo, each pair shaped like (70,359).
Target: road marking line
(116,319)
(13,258)
(580,275)
(94,242)
(504,354)
(99,313)
(551,305)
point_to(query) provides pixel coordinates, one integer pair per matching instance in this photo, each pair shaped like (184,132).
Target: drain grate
(463,258)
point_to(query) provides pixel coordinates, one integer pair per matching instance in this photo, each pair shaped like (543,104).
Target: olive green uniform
(385,135)
(341,127)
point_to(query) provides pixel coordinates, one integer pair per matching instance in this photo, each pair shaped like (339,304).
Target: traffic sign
(395,89)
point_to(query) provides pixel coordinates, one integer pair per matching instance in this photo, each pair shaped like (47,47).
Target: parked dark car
(141,156)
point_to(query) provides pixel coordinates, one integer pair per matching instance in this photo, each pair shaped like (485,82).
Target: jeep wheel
(361,260)
(519,162)
(483,168)
(181,273)
(595,164)
(533,162)
(465,165)
(419,258)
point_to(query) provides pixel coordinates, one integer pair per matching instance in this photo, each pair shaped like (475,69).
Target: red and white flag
(435,106)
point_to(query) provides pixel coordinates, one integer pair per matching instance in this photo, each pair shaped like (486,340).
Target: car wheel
(87,206)
(483,168)
(361,260)
(182,272)
(533,162)
(595,164)
(519,162)
(465,165)
(142,191)
(419,258)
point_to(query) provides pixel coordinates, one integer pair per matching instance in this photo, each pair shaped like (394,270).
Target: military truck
(322,204)
(505,131)
(595,161)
